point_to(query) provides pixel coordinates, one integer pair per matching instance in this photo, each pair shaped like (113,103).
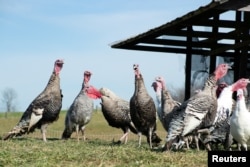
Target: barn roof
(202,32)
(177,36)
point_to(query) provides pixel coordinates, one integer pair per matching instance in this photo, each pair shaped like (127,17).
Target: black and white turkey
(116,112)
(197,112)
(219,131)
(167,107)
(143,110)
(44,109)
(80,111)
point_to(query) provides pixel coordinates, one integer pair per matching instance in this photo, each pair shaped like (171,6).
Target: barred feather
(117,112)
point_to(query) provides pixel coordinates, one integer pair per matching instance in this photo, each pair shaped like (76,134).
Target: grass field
(97,150)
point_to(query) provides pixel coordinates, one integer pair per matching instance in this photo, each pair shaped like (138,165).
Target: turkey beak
(229,66)
(60,63)
(157,79)
(153,84)
(88,73)
(135,66)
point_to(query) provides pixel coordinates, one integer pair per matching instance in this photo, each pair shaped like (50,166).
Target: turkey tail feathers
(16,131)
(66,134)
(155,139)
(8,136)
(132,128)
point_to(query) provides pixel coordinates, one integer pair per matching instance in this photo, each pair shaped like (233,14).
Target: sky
(34,33)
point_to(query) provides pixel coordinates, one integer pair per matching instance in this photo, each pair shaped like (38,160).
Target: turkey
(220,87)
(116,112)
(143,111)
(80,111)
(197,112)
(166,105)
(219,131)
(44,109)
(240,122)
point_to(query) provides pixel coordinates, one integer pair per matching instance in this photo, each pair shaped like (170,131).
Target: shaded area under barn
(206,32)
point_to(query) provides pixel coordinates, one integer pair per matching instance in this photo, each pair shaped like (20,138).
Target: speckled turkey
(167,105)
(44,109)
(116,112)
(143,111)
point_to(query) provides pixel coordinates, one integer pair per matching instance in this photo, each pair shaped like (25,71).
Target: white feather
(193,122)
(225,103)
(240,122)
(35,116)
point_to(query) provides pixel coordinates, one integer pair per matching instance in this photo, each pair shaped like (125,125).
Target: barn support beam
(188,65)
(237,52)
(215,31)
(241,56)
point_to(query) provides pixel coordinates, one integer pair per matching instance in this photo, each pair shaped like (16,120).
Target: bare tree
(178,94)
(9,97)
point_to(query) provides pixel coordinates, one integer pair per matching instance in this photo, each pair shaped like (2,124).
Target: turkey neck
(83,89)
(85,84)
(139,85)
(210,85)
(54,82)
(165,95)
(241,106)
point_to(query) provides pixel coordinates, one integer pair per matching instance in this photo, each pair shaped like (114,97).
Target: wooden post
(188,65)
(215,30)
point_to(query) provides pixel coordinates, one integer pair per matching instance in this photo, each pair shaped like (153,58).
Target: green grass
(97,150)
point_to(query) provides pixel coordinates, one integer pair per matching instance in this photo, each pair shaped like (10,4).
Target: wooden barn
(203,32)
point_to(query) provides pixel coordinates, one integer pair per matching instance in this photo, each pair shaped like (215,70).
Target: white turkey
(197,112)
(116,112)
(80,111)
(44,109)
(240,122)
(219,131)
(220,87)
(143,110)
(158,89)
